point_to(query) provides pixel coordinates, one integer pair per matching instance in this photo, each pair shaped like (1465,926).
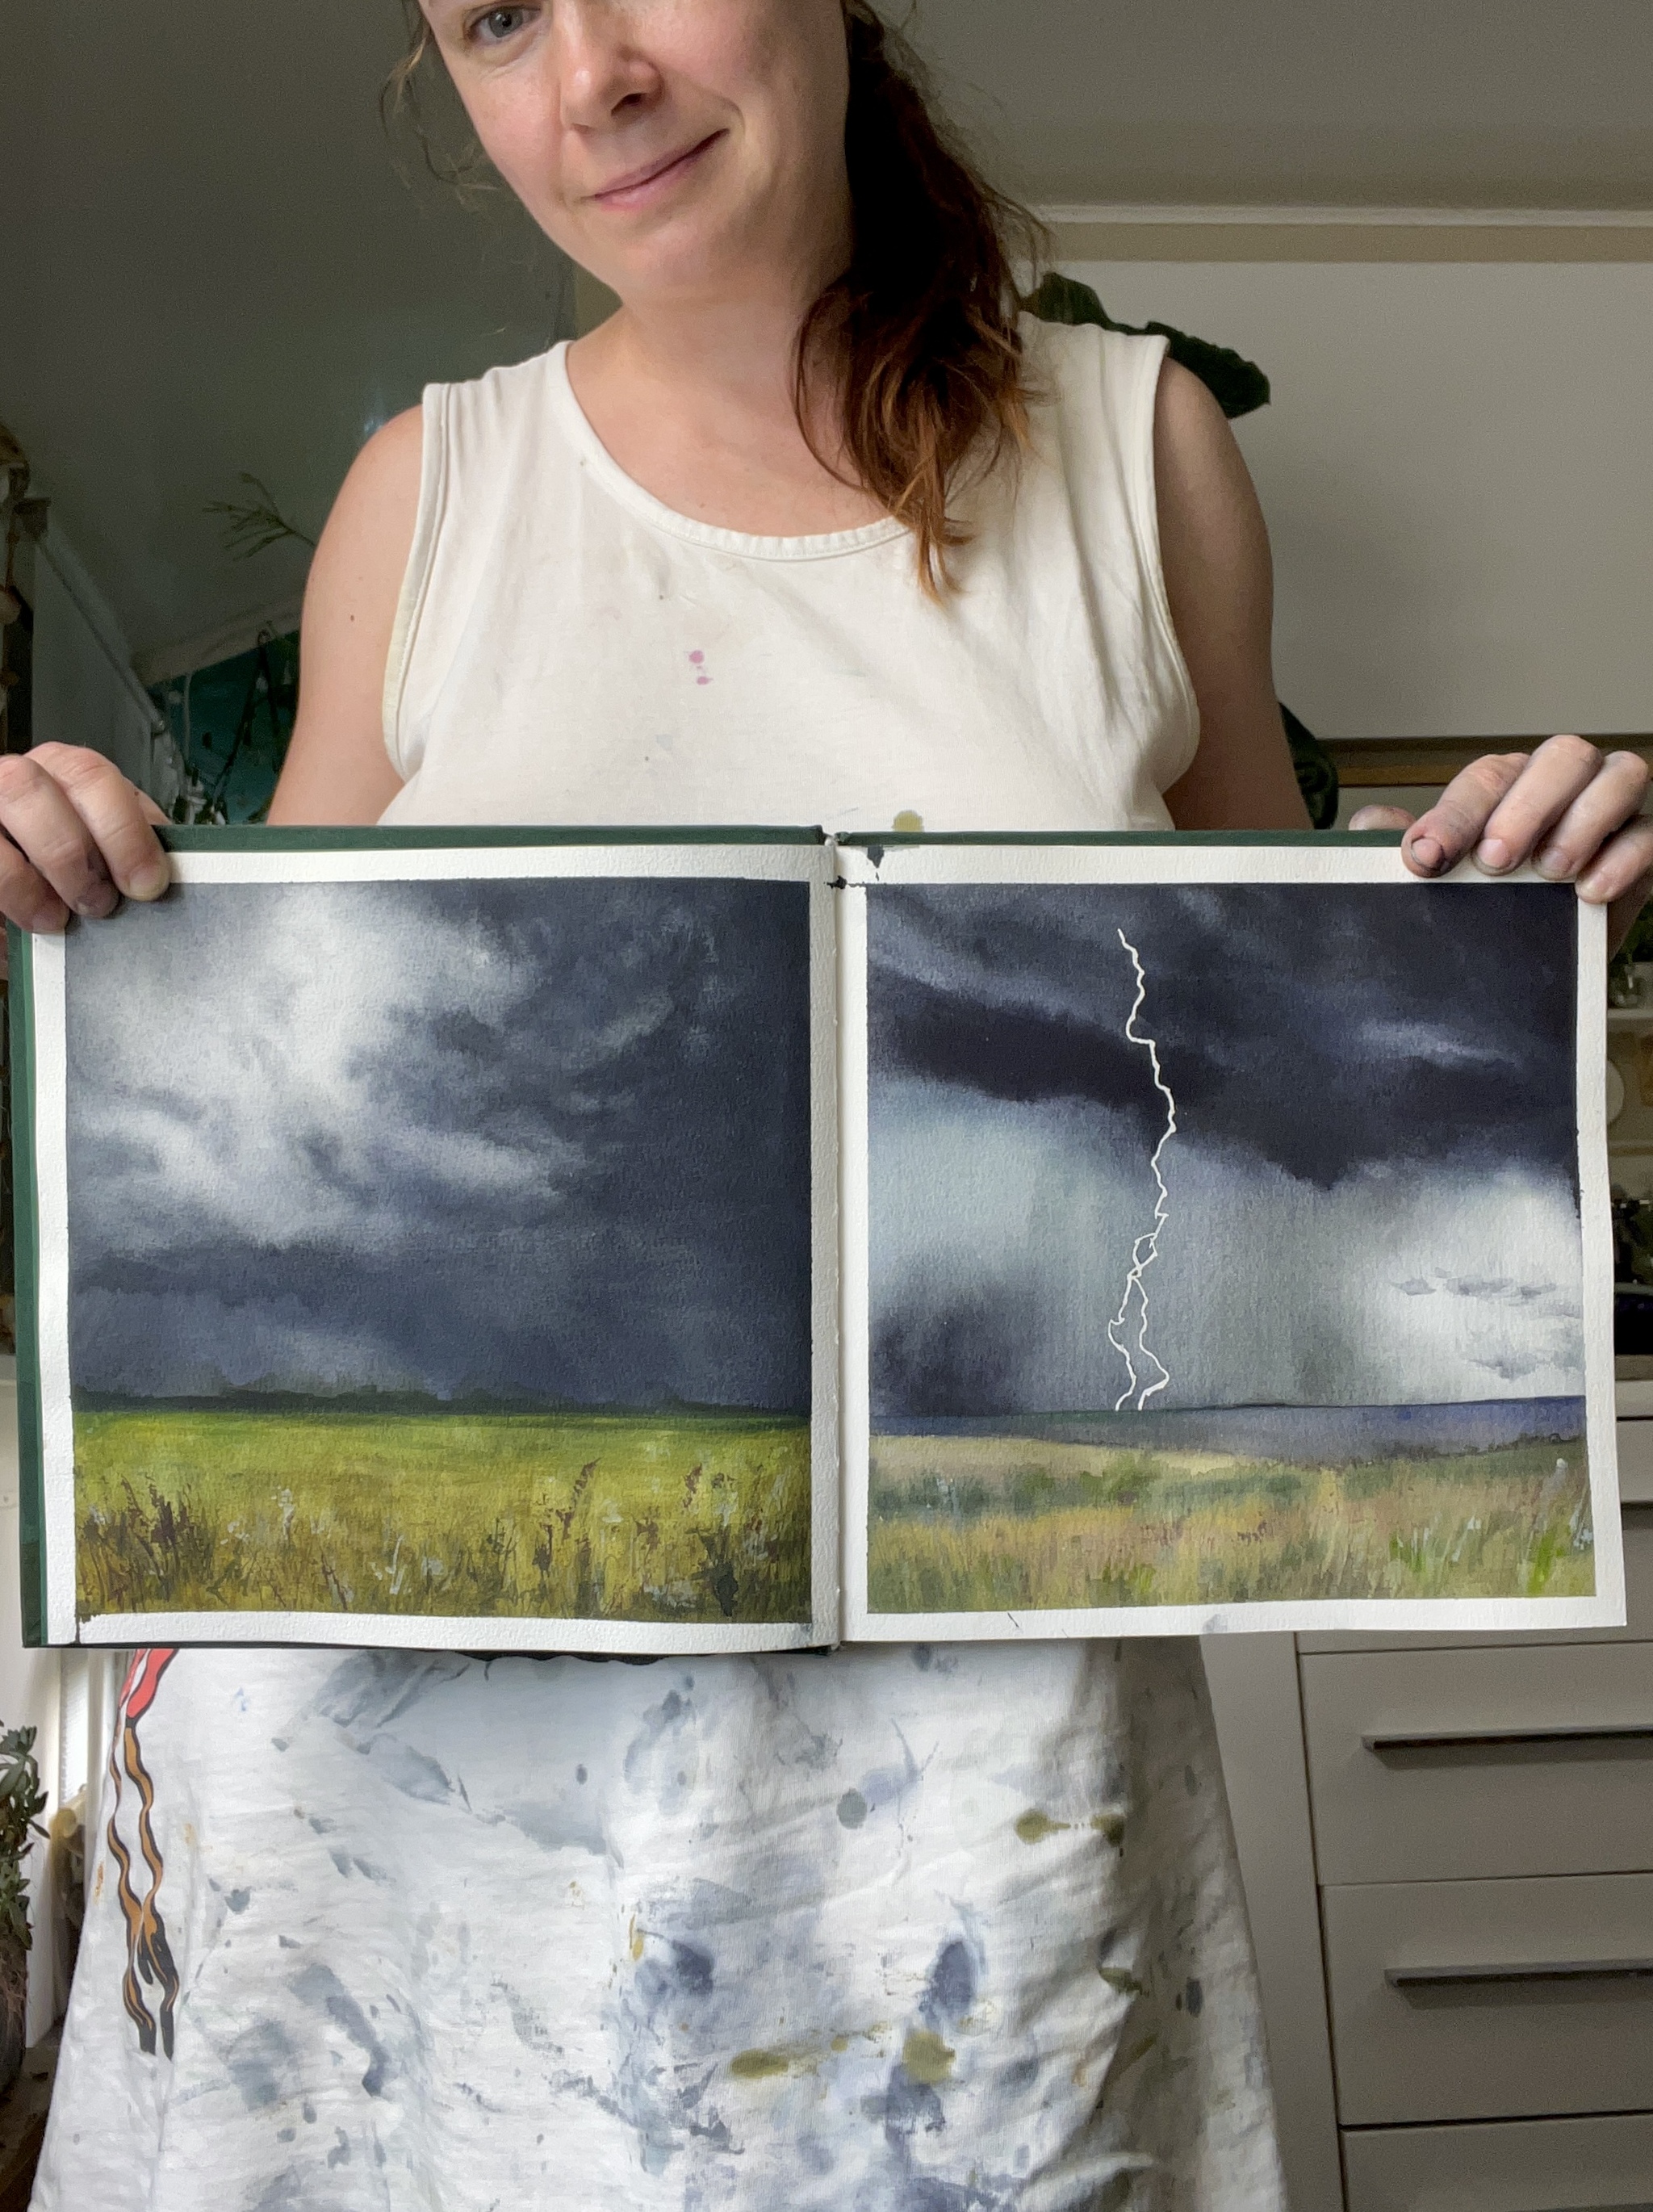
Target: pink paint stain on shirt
(697,661)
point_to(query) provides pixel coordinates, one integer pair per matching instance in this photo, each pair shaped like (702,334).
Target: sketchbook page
(437,1247)
(1226,1243)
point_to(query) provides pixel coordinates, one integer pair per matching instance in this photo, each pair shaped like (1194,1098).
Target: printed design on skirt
(149,1954)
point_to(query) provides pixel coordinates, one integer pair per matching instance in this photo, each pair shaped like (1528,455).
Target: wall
(84,692)
(219,260)
(1458,476)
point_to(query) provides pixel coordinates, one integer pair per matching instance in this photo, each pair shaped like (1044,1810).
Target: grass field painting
(443,1250)
(674,1516)
(970,1520)
(1225,1248)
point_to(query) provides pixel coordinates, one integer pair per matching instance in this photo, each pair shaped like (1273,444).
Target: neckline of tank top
(571,418)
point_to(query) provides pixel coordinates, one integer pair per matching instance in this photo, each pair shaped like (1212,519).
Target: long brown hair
(917,339)
(919,334)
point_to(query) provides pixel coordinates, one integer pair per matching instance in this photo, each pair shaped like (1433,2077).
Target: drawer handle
(1494,1738)
(1543,1970)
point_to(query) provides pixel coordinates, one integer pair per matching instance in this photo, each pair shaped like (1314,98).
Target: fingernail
(1426,853)
(148,881)
(1492,853)
(1553,862)
(1593,888)
(99,903)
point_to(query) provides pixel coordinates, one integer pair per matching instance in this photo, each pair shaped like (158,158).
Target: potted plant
(21,1802)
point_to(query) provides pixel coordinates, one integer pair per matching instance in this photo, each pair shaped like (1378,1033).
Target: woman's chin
(696,257)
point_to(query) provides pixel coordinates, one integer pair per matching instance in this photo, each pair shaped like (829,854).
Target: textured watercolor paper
(441,1260)
(1225,1248)
(469,1245)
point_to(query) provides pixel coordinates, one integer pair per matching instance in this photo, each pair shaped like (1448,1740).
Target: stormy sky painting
(543,1139)
(1370,1197)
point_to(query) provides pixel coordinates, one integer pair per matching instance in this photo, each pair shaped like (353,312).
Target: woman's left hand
(1572,811)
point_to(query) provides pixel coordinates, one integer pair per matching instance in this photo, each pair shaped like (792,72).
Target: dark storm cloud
(1322,1028)
(549,1138)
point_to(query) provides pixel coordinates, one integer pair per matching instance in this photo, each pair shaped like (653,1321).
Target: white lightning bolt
(1146,1250)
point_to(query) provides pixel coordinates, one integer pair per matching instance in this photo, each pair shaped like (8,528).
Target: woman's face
(677,149)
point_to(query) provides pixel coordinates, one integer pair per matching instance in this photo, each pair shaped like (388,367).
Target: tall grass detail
(978,1524)
(685,1517)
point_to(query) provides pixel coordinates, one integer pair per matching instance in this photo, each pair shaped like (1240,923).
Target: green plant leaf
(1238,386)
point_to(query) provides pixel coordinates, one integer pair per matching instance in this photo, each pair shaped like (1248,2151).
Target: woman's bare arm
(1219,579)
(338,769)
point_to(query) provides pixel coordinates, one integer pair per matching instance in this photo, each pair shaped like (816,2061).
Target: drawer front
(1638,1599)
(1526,2166)
(1466,2001)
(1445,1766)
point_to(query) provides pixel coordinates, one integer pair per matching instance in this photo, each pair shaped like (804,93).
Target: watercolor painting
(443,1247)
(1224,1246)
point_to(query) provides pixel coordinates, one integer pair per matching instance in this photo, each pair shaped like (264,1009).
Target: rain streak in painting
(1301,1161)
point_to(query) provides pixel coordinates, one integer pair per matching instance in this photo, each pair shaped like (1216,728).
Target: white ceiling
(209,262)
(1397,103)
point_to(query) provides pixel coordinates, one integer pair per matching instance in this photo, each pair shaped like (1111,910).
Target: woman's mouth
(645,185)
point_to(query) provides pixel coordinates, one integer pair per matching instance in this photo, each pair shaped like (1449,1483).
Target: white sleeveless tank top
(886,1927)
(567,649)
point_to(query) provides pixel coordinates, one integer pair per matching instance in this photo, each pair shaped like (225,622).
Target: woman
(811,531)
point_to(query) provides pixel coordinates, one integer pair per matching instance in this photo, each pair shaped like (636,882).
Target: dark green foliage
(233,723)
(1317,771)
(21,1802)
(1238,386)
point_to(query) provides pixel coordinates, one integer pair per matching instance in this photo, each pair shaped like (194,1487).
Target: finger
(1619,866)
(1612,799)
(25,896)
(1559,772)
(1380,817)
(39,818)
(1551,779)
(1439,839)
(113,810)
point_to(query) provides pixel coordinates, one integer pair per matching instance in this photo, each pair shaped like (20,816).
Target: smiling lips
(644,184)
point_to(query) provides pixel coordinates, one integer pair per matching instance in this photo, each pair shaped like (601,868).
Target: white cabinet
(1447,1849)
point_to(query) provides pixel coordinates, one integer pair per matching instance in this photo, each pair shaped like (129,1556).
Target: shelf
(1373,763)
(1630,1017)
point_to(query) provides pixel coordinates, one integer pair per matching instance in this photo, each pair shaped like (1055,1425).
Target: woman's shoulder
(1081,353)
(1098,386)
(510,391)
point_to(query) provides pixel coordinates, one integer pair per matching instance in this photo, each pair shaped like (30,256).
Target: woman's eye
(498,25)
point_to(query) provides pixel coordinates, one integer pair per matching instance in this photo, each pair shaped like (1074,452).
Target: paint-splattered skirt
(884,1931)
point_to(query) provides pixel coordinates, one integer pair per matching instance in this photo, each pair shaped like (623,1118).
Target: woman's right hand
(77,838)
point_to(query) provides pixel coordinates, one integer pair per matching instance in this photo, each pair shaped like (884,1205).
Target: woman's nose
(603,70)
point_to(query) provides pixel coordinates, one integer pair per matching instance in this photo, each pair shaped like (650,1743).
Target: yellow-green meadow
(977,1523)
(684,1515)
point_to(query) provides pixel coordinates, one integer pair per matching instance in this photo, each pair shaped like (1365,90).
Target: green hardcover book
(718,1240)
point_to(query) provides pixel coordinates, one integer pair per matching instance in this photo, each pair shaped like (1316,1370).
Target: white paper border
(787,862)
(1238,863)
(46,971)
(826,1482)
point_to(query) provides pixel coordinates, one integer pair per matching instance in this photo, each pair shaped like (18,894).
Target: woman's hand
(1572,811)
(77,838)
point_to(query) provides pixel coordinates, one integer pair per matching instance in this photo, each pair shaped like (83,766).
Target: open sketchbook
(737,1240)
